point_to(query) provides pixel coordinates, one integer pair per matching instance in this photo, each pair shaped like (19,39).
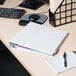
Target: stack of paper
(39,38)
(57,63)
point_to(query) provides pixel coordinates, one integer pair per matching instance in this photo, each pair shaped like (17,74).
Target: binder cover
(39,38)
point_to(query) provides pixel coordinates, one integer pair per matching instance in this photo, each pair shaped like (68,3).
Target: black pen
(65,59)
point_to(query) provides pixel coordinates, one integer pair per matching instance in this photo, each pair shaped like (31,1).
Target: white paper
(57,63)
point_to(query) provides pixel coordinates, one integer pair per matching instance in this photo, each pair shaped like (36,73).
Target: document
(39,38)
(57,64)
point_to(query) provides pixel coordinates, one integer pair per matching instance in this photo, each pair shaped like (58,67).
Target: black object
(11,13)
(31,4)
(65,59)
(2,47)
(2,1)
(9,65)
(23,22)
(34,17)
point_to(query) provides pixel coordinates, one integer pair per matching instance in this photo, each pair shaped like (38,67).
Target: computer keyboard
(11,13)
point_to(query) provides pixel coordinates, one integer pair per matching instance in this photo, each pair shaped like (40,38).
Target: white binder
(39,38)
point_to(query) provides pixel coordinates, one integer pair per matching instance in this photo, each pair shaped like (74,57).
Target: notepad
(39,38)
(57,63)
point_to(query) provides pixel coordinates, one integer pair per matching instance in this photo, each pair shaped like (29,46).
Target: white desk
(33,62)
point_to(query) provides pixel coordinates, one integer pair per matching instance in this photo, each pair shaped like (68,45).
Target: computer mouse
(34,17)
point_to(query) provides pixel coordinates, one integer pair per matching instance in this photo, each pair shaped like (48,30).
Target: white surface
(39,38)
(57,63)
(54,4)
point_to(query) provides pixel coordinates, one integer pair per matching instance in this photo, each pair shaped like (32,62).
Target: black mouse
(34,17)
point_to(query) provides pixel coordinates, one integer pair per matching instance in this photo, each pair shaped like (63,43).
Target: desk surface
(33,62)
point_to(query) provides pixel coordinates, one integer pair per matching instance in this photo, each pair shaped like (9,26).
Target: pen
(65,59)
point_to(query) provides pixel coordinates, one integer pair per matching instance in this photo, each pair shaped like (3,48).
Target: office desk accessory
(32,4)
(62,12)
(32,18)
(57,63)
(39,38)
(11,13)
